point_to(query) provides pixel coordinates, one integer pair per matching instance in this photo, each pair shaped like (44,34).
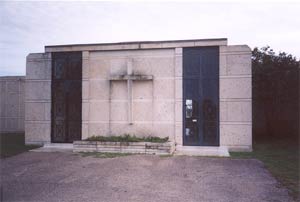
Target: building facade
(196,92)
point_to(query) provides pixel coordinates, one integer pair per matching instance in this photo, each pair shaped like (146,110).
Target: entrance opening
(66,97)
(201,96)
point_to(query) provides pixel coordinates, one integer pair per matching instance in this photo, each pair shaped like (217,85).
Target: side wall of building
(236,98)
(38,98)
(12,104)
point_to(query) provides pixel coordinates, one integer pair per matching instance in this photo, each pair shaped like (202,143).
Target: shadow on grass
(281,158)
(12,144)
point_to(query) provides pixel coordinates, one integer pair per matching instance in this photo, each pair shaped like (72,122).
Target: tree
(275,93)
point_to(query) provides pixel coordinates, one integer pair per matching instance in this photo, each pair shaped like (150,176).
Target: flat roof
(137,45)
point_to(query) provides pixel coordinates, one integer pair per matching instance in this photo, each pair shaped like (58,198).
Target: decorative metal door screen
(66,97)
(201,96)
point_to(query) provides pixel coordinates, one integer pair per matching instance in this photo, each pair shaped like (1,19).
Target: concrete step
(55,147)
(202,151)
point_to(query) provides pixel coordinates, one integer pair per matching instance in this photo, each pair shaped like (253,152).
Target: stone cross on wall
(129,77)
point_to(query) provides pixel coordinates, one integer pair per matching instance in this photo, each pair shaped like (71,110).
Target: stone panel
(142,90)
(162,67)
(143,129)
(11,124)
(12,105)
(85,90)
(163,88)
(21,123)
(99,90)
(239,111)
(142,66)
(37,132)
(96,129)
(99,68)
(235,88)
(118,66)
(99,111)
(85,111)
(178,111)
(12,86)
(119,90)
(223,65)
(178,133)
(118,111)
(85,69)
(164,130)
(178,66)
(47,111)
(163,111)
(235,134)
(85,131)
(239,64)
(38,69)
(38,90)
(35,111)
(223,111)
(178,89)
(142,111)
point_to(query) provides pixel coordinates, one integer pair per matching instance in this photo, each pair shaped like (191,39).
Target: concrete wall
(38,98)
(105,102)
(12,104)
(235,98)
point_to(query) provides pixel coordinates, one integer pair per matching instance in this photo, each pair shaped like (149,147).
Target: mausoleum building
(196,92)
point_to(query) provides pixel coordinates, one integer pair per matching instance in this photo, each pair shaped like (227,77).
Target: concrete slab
(55,147)
(202,151)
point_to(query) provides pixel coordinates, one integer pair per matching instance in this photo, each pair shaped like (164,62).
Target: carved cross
(129,77)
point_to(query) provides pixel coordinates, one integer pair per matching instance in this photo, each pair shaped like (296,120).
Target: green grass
(103,155)
(12,144)
(127,138)
(281,158)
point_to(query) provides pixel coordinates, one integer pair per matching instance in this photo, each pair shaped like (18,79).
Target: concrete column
(85,94)
(178,97)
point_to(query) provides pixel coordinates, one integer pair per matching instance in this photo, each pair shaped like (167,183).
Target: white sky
(26,27)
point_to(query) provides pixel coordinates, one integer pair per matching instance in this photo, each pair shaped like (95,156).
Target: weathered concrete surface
(35,176)
(12,104)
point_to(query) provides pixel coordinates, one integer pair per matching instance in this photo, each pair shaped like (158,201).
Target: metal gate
(201,96)
(66,97)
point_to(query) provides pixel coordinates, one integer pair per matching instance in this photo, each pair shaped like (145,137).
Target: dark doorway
(201,96)
(66,97)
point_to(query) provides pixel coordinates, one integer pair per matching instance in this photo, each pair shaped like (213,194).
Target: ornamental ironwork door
(201,96)
(66,97)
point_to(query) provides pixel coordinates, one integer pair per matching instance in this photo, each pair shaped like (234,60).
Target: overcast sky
(27,27)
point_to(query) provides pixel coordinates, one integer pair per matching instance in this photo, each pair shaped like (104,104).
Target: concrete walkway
(57,176)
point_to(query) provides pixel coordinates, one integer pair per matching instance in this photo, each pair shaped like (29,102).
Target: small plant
(104,155)
(127,138)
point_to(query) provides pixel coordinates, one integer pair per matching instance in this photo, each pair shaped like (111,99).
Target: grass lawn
(281,158)
(12,144)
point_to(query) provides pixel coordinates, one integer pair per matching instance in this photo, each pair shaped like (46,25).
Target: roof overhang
(137,45)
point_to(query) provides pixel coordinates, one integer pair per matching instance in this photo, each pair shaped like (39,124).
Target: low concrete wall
(12,104)
(124,147)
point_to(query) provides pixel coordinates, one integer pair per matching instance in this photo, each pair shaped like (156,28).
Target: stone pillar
(178,97)
(235,98)
(38,98)
(85,94)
